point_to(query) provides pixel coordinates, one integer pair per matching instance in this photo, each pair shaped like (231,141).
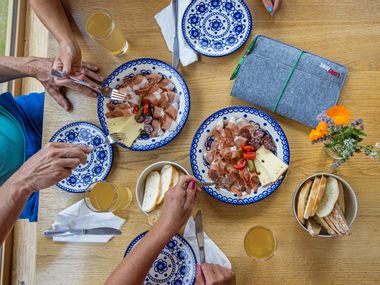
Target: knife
(70,232)
(205,184)
(175,57)
(200,236)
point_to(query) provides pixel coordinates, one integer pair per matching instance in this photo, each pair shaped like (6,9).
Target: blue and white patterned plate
(202,141)
(216,27)
(99,161)
(146,66)
(176,264)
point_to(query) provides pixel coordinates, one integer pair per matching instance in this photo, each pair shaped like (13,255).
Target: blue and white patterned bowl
(216,27)
(99,161)
(176,264)
(147,66)
(202,141)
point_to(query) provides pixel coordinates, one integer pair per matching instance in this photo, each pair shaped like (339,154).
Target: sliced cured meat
(154,78)
(164,101)
(172,96)
(166,84)
(139,82)
(158,113)
(110,106)
(240,141)
(171,111)
(166,122)
(152,99)
(121,110)
(209,156)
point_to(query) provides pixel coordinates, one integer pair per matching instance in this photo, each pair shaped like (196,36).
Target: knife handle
(49,233)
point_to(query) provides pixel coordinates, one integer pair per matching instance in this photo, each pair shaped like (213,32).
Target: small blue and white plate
(202,142)
(146,66)
(216,27)
(99,161)
(176,264)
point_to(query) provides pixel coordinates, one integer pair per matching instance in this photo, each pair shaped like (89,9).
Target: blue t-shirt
(28,111)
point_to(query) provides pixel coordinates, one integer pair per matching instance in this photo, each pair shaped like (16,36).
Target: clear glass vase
(334,154)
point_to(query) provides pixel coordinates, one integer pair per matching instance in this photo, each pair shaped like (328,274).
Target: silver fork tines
(111,139)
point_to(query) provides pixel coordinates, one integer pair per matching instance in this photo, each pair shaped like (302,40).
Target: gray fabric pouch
(286,80)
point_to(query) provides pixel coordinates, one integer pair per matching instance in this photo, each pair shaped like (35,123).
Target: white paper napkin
(165,20)
(213,253)
(78,216)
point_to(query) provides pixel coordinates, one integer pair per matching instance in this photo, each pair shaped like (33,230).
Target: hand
(213,274)
(54,162)
(41,68)
(69,57)
(272,6)
(178,204)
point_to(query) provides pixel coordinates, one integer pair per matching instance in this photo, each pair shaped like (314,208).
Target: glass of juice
(104,196)
(101,27)
(260,243)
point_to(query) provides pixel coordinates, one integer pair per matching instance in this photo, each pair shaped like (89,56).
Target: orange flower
(319,132)
(339,114)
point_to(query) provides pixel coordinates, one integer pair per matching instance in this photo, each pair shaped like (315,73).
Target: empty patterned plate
(216,27)
(176,264)
(99,161)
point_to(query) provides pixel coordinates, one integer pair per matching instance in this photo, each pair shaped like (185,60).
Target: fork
(112,139)
(107,92)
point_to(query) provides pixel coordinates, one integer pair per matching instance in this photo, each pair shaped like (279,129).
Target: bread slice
(329,198)
(302,199)
(311,198)
(341,202)
(324,225)
(152,191)
(339,221)
(331,224)
(175,177)
(312,227)
(166,181)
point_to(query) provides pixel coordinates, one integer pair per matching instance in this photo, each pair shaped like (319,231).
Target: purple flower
(324,118)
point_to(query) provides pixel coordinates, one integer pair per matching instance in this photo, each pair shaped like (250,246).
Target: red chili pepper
(249,155)
(248,148)
(240,164)
(135,109)
(146,108)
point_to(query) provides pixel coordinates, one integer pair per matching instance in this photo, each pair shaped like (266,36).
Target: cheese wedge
(127,126)
(263,174)
(274,166)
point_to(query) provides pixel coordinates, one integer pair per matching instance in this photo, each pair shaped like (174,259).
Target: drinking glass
(102,28)
(260,243)
(104,196)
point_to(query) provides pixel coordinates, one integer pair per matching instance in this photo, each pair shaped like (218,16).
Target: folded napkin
(213,253)
(165,20)
(78,216)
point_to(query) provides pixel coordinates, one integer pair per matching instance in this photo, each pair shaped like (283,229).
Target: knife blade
(94,231)
(175,56)
(205,184)
(200,236)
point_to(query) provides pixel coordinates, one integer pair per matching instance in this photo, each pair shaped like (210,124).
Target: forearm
(53,16)
(13,196)
(135,266)
(17,67)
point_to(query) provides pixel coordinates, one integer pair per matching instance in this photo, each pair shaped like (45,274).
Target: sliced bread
(339,221)
(329,198)
(302,200)
(152,191)
(311,198)
(175,177)
(341,202)
(312,227)
(166,181)
(324,225)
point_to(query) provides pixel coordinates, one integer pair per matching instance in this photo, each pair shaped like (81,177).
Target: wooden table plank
(345,31)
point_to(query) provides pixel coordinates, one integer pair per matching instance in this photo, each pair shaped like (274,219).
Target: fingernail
(193,183)
(270,9)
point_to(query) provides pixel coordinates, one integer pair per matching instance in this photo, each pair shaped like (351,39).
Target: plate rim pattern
(108,170)
(178,236)
(213,54)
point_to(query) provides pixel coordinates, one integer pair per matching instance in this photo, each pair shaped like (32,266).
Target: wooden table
(345,31)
